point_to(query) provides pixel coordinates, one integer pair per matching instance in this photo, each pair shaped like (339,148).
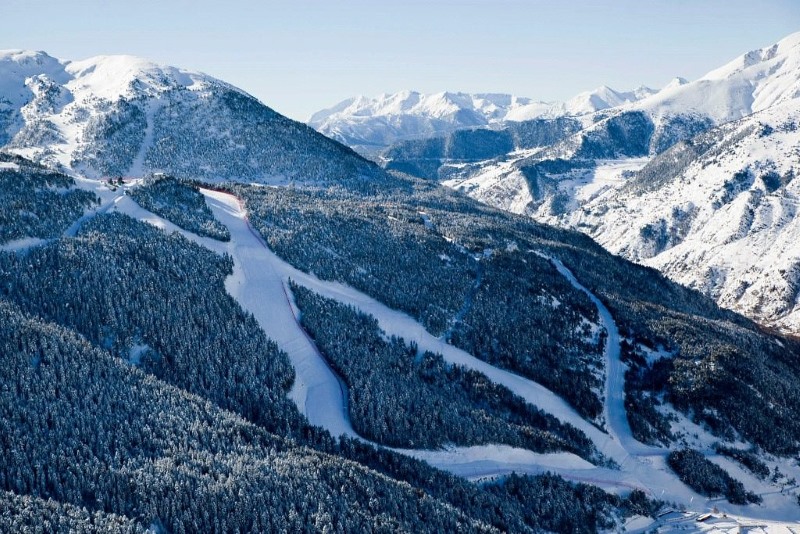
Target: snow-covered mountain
(604,97)
(371,124)
(716,211)
(629,127)
(752,82)
(375,123)
(122,115)
(240,331)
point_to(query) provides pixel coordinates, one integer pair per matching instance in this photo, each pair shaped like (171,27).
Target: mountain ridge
(459,311)
(375,123)
(123,115)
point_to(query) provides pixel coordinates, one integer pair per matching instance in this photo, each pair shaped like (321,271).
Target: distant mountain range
(654,180)
(718,213)
(372,124)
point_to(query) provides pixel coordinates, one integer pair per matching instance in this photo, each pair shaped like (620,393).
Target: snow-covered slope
(752,82)
(717,211)
(374,123)
(718,214)
(122,115)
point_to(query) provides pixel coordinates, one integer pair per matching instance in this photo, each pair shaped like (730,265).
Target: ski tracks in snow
(614,389)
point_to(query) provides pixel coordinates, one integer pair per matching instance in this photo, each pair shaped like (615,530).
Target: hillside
(674,181)
(158,379)
(125,116)
(717,213)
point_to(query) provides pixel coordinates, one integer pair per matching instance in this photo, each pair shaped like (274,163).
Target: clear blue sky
(299,56)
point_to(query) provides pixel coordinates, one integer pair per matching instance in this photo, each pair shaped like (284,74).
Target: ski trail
(23,244)
(258,284)
(106,204)
(614,405)
(137,165)
(397,323)
(108,200)
(322,397)
(254,284)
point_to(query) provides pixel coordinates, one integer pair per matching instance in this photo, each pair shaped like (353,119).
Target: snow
(108,199)
(766,79)
(109,77)
(388,118)
(17,66)
(7,165)
(604,97)
(614,405)
(137,167)
(750,83)
(718,522)
(503,187)
(260,289)
(68,95)
(608,174)
(258,283)
(743,252)
(485,461)
(20,245)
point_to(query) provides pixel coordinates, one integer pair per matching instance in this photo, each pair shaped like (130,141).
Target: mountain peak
(22,56)
(677,81)
(604,97)
(124,115)
(790,42)
(371,124)
(114,75)
(407,114)
(750,83)
(787,50)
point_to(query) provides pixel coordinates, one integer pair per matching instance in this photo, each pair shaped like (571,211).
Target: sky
(302,56)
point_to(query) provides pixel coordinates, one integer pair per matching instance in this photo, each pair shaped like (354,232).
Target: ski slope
(259,284)
(614,405)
